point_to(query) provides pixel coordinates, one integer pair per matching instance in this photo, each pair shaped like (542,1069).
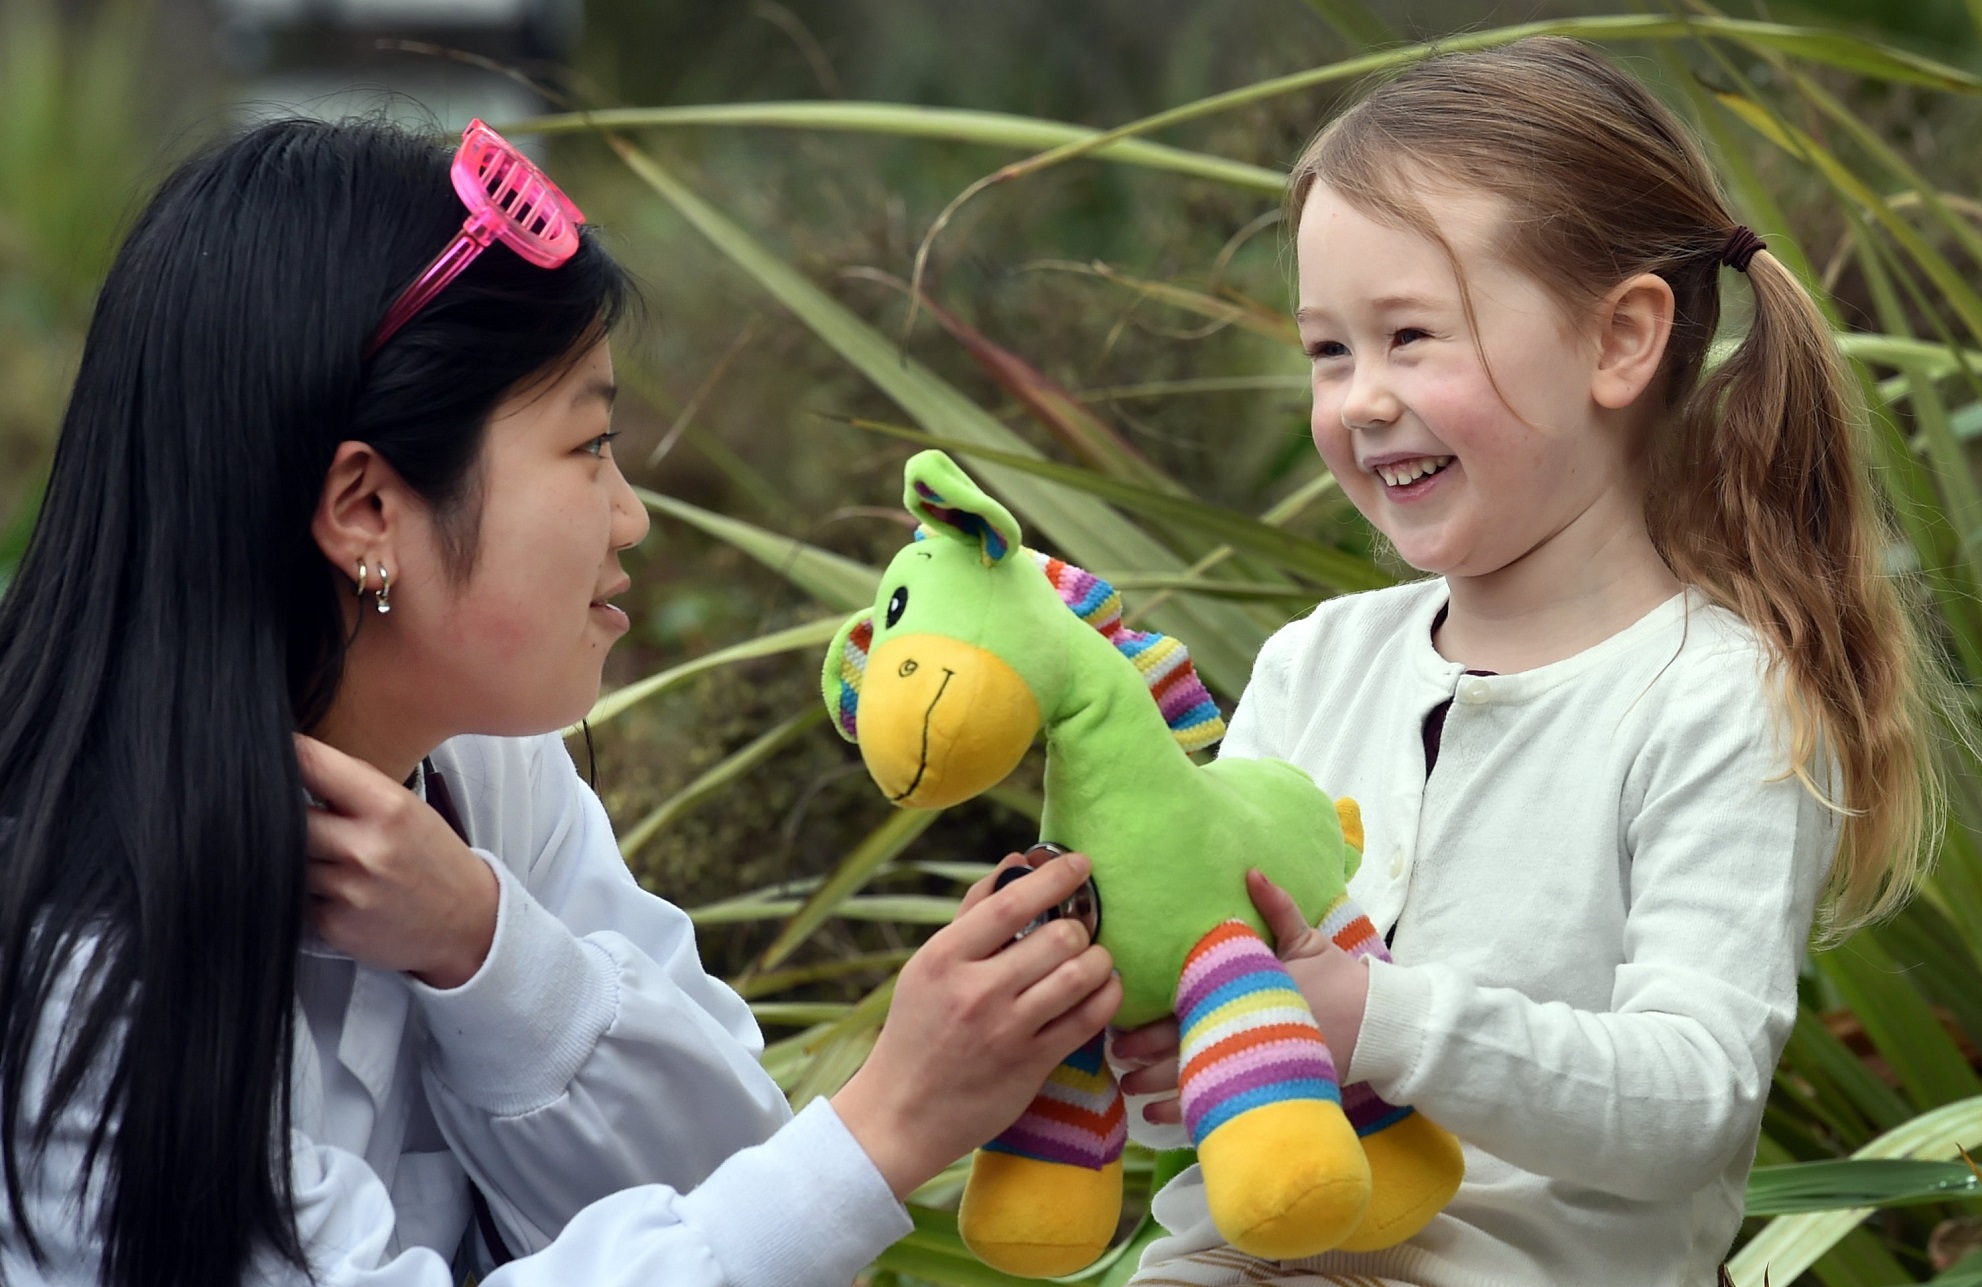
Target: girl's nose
(1368,402)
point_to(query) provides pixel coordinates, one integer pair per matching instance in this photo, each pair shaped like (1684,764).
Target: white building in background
(325,58)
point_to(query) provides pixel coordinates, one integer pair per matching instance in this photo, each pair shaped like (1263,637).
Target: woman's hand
(976,1024)
(390,883)
(1333,983)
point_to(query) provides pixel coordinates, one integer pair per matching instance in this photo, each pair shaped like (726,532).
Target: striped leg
(1415,1165)
(1283,1173)
(1044,1198)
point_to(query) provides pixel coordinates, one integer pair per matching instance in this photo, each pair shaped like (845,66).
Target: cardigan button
(1396,861)
(1475,692)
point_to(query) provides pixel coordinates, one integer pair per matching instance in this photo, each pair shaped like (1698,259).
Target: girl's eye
(597,446)
(1328,349)
(1406,334)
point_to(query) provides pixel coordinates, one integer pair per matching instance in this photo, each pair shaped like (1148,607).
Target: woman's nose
(629,517)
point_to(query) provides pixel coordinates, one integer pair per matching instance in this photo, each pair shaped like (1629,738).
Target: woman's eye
(897,604)
(598,445)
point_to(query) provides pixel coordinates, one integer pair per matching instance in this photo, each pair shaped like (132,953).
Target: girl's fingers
(991,924)
(1164,1112)
(1283,919)
(1156,1079)
(1158,1040)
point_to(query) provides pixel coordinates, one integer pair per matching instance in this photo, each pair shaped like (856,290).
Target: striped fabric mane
(1165,664)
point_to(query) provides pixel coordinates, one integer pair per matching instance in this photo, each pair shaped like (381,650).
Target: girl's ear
(950,504)
(846,666)
(1634,324)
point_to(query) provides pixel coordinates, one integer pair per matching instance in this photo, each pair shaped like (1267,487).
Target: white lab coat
(599,1087)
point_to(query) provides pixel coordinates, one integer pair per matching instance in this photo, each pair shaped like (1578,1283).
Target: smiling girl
(318,962)
(1657,704)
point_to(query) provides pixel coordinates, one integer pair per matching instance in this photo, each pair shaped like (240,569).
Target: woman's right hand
(976,1024)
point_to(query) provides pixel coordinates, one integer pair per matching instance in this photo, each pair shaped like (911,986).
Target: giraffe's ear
(950,504)
(846,666)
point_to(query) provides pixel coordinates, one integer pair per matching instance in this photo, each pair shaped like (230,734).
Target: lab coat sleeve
(591,1052)
(806,1208)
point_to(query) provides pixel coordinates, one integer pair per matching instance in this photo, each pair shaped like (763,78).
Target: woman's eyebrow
(604,390)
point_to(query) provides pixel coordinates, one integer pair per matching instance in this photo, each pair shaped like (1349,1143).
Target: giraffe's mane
(1165,664)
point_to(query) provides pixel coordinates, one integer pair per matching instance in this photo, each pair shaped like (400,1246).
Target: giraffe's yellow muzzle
(941,720)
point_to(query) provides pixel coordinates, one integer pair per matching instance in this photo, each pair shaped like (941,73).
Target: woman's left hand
(390,883)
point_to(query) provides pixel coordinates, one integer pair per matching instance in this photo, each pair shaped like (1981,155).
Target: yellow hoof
(1038,1219)
(1415,1168)
(1286,1180)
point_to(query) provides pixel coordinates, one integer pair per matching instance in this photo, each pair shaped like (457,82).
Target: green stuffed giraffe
(974,646)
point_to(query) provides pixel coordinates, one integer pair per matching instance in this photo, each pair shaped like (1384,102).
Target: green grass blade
(1355,22)
(834,580)
(1222,638)
(1337,568)
(904,120)
(812,634)
(908,909)
(1788,1245)
(731,769)
(1815,44)
(1247,315)
(1902,1027)
(772,982)
(1854,1182)
(881,847)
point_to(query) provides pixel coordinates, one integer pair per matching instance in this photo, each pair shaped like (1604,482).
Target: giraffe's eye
(897,604)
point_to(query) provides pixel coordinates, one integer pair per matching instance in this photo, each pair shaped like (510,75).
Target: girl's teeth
(1409,471)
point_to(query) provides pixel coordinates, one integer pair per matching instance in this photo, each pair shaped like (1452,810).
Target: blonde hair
(1758,491)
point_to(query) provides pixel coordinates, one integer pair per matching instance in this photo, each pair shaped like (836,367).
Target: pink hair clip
(509,200)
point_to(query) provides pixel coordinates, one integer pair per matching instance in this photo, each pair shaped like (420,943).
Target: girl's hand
(390,883)
(1333,983)
(976,1024)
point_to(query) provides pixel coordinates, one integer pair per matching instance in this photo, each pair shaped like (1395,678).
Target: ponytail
(1761,499)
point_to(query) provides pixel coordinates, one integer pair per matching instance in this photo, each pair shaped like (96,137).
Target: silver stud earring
(384,601)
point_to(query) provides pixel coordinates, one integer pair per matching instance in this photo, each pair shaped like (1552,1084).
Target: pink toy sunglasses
(509,200)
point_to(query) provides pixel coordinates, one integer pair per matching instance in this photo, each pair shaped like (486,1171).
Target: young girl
(339,1008)
(1658,704)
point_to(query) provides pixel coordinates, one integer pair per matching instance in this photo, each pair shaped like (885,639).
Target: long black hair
(173,622)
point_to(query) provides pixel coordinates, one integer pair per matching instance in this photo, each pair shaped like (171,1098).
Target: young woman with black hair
(317,959)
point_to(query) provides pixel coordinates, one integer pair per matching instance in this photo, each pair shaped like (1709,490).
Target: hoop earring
(364,575)
(384,600)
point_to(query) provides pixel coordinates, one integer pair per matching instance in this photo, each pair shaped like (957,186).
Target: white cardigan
(602,1090)
(1600,899)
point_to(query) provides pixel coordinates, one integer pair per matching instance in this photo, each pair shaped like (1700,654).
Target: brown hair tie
(1741,246)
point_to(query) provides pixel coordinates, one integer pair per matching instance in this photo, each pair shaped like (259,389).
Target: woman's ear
(1634,323)
(355,510)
